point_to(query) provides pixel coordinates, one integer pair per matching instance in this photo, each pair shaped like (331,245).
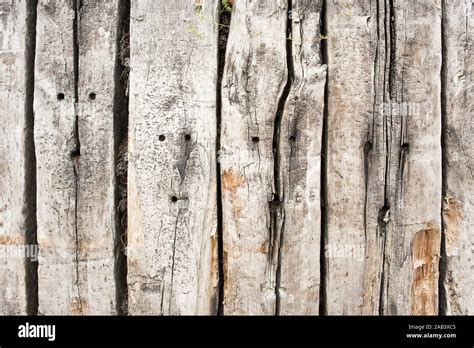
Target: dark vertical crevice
(121,102)
(76,152)
(225,16)
(384,213)
(31,266)
(442,295)
(277,223)
(323,179)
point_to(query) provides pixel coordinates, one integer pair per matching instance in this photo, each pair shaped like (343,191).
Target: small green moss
(226,6)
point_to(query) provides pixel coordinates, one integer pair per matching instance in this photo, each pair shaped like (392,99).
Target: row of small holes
(61,96)
(187,137)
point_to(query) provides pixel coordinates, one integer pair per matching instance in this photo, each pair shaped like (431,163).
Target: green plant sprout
(226,6)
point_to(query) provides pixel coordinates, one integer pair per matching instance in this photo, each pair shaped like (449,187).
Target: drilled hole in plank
(162,137)
(92,96)
(255,140)
(60,96)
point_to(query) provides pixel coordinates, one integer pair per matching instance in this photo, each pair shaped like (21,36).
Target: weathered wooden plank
(254,79)
(172,245)
(352,127)
(384,209)
(300,165)
(16,217)
(75,156)
(55,144)
(413,232)
(97,117)
(458,204)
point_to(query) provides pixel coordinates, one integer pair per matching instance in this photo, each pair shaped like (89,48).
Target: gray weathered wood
(413,233)
(458,203)
(351,44)
(384,165)
(97,117)
(300,166)
(54,141)
(255,75)
(75,157)
(172,245)
(14,161)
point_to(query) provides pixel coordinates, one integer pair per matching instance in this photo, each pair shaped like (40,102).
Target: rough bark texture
(458,200)
(74,134)
(172,245)
(16,217)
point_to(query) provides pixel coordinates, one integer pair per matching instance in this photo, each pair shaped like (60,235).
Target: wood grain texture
(54,141)
(97,116)
(458,202)
(413,236)
(384,165)
(172,209)
(75,153)
(254,78)
(351,48)
(300,166)
(16,219)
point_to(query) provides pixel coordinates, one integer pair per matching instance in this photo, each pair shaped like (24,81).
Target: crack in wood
(276,210)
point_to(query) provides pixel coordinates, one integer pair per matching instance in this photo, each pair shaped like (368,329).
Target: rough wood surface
(75,149)
(381,224)
(14,134)
(387,210)
(413,234)
(458,202)
(97,113)
(351,44)
(255,75)
(300,165)
(172,211)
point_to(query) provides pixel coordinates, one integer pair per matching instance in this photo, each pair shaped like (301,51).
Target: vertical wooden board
(376,165)
(172,245)
(14,214)
(96,203)
(352,128)
(458,203)
(255,75)
(413,236)
(300,166)
(55,143)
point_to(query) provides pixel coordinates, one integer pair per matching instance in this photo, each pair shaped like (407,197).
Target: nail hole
(367,148)
(92,96)
(405,147)
(187,137)
(292,138)
(60,96)
(255,140)
(174,199)
(162,137)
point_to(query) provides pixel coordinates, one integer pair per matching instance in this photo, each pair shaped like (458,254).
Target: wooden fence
(271,157)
